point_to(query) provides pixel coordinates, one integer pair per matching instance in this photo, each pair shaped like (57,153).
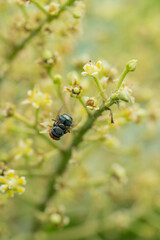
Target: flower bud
(47,55)
(114,96)
(57,79)
(123,95)
(55,218)
(8,110)
(72,78)
(131,65)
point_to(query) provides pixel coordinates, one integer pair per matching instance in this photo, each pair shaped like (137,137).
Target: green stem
(121,79)
(36,117)
(28,124)
(59,90)
(21,45)
(100,88)
(23,10)
(40,6)
(22,119)
(84,105)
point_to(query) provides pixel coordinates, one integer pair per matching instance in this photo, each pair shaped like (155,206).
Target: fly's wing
(55,121)
(75,124)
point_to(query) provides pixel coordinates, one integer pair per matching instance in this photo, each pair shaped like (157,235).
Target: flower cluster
(24,149)
(38,98)
(12,183)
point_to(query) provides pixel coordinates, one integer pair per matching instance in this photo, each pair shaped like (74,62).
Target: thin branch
(21,45)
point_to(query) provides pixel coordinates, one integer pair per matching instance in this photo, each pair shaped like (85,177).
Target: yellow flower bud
(57,78)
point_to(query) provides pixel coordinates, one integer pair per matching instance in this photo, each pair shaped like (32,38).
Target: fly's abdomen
(56,133)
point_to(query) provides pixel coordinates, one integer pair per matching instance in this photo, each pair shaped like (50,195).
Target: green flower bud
(123,95)
(131,65)
(47,55)
(55,218)
(72,78)
(114,96)
(57,79)
(77,14)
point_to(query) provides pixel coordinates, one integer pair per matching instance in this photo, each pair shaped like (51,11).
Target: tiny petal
(10,173)
(95,74)
(84,74)
(22,181)
(35,104)
(2,179)
(4,188)
(99,65)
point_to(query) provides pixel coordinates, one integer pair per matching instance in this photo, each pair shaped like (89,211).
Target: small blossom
(91,103)
(37,98)
(23,149)
(92,69)
(53,8)
(12,183)
(75,89)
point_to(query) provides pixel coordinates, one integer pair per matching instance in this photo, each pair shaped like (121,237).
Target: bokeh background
(116,31)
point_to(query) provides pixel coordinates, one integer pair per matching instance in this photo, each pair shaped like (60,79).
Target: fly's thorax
(66,120)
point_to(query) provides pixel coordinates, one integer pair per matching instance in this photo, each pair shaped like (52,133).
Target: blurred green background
(117,31)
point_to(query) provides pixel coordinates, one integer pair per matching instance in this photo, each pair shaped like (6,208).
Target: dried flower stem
(40,7)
